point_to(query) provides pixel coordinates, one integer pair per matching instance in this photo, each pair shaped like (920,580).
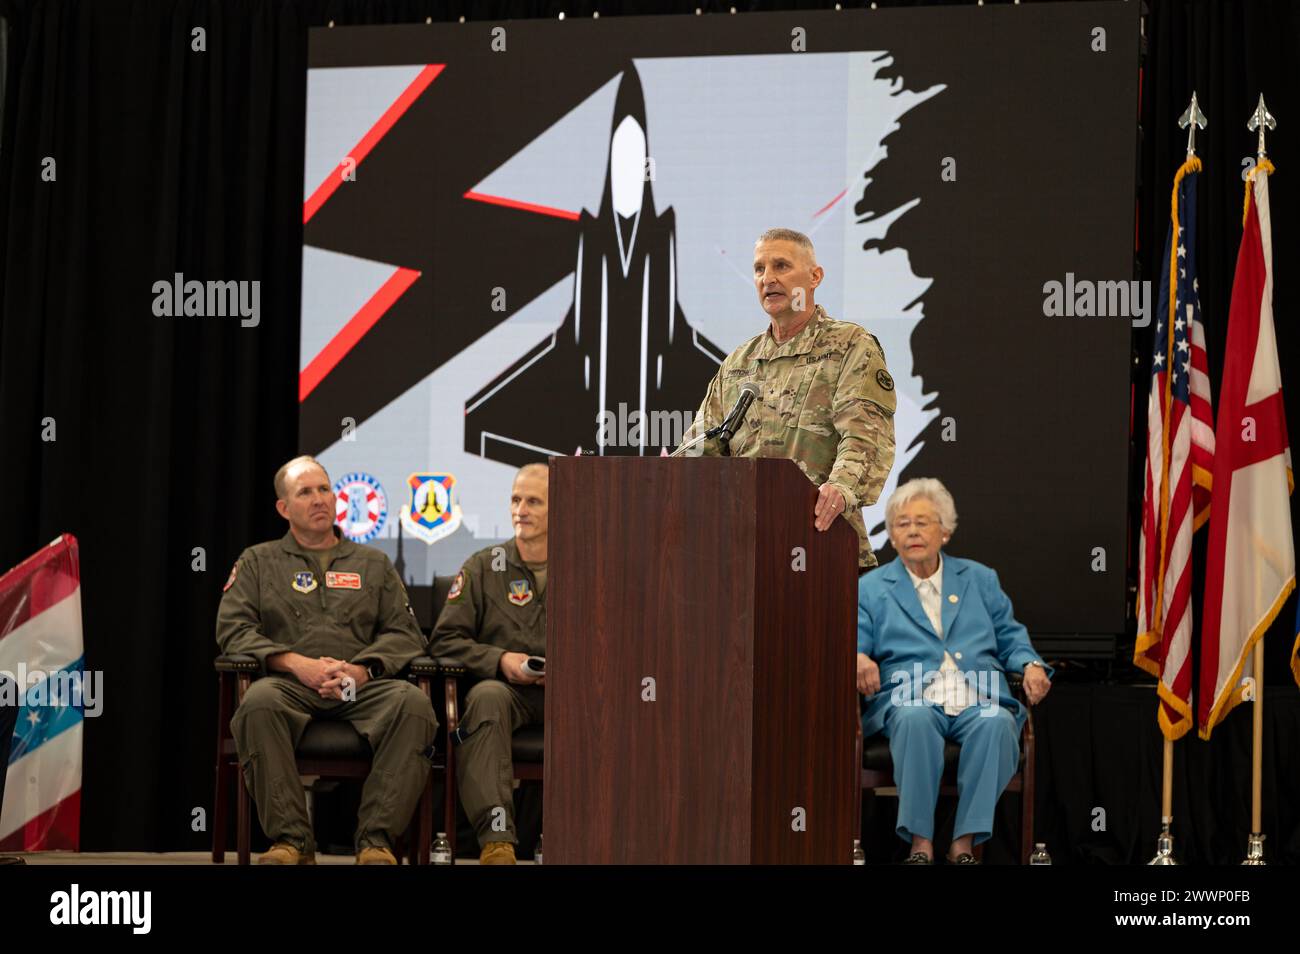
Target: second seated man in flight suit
(495,618)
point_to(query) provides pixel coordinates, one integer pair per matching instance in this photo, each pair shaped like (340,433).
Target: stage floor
(169,858)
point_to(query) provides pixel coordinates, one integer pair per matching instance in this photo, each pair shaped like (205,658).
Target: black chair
(527,745)
(328,749)
(877,771)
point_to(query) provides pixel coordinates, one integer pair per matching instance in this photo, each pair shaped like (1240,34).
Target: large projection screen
(512,227)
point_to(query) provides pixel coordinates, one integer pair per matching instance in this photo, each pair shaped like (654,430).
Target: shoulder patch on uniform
(234,570)
(457,585)
(884,380)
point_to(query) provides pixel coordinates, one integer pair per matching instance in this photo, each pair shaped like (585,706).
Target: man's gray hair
(928,488)
(282,475)
(790,235)
(536,467)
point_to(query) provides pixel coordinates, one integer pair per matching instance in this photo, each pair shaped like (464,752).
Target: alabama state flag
(1250,562)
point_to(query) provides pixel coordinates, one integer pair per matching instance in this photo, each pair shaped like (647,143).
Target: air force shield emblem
(521,593)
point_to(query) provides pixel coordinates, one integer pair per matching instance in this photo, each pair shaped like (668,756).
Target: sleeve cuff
(850,498)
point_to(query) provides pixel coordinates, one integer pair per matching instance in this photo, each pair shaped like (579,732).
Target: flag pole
(1261,120)
(1191,120)
(1255,843)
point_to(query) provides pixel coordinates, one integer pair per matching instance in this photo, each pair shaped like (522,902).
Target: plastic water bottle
(441,854)
(537,852)
(1040,855)
(859,856)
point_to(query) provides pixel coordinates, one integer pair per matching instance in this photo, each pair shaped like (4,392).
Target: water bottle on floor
(859,856)
(1040,855)
(441,854)
(537,852)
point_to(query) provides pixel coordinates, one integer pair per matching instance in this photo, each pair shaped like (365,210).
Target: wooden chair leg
(857,781)
(426,821)
(1026,816)
(449,770)
(221,797)
(242,834)
(1027,794)
(220,808)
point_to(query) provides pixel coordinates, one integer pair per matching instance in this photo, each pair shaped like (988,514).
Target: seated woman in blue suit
(935,637)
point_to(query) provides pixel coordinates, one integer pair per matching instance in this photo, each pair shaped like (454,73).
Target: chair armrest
(428,666)
(236,662)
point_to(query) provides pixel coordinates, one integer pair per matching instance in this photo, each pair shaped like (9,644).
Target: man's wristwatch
(1032,662)
(375,669)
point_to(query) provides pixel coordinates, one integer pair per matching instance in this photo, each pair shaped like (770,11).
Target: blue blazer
(979,631)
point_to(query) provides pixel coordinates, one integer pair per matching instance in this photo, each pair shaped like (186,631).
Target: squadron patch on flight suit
(884,380)
(304,582)
(457,585)
(521,593)
(234,570)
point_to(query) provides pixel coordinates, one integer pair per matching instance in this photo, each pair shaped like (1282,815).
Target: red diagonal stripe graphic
(354,330)
(523,206)
(371,138)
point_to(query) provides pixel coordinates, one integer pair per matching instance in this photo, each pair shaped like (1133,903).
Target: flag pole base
(1164,848)
(1255,850)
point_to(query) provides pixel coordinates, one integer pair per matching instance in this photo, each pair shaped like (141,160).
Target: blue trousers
(990,751)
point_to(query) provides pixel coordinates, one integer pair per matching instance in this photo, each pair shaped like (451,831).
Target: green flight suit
(497,604)
(347,603)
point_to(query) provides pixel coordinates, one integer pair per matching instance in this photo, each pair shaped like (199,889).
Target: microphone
(727,429)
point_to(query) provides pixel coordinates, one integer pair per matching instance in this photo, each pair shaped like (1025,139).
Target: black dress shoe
(11,860)
(965,858)
(918,858)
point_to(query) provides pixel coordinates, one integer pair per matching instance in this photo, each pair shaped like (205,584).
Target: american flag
(1180,464)
(40,655)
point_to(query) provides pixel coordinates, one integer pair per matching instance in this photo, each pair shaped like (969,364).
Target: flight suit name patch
(304,582)
(342,581)
(521,593)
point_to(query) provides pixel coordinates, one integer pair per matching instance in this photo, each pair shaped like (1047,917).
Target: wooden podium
(701,642)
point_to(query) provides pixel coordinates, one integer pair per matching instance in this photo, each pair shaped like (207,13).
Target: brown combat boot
(497,853)
(372,855)
(283,853)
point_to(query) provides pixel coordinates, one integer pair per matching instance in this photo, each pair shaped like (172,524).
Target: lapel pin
(952,597)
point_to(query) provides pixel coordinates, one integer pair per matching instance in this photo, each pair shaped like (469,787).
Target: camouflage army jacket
(346,602)
(826,402)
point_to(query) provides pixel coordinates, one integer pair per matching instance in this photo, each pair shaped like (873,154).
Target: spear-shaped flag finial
(1261,119)
(1191,121)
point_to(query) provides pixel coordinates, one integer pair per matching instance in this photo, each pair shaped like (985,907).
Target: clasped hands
(330,677)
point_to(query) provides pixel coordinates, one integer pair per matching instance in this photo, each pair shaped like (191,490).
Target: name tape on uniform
(342,581)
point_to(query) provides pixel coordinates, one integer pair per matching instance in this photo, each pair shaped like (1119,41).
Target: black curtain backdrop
(168,430)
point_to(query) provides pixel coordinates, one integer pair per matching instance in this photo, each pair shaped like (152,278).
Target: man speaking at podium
(824,397)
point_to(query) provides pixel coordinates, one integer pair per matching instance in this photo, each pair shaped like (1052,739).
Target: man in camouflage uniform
(495,618)
(826,400)
(329,622)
